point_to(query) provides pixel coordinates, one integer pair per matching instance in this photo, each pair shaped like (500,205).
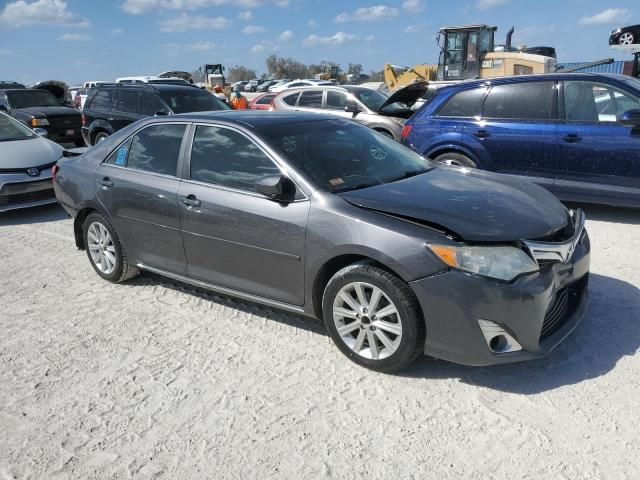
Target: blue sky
(77,40)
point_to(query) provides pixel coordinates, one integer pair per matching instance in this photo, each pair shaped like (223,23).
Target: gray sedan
(26,162)
(385,114)
(326,218)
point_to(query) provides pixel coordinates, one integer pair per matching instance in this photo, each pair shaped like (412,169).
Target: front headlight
(39,122)
(503,263)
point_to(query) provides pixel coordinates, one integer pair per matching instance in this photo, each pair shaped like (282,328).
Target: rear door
(310,100)
(125,108)
(517,131)
(597,152)
(138,185)
(233,236)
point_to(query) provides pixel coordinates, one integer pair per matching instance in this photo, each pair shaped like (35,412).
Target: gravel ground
(153,379)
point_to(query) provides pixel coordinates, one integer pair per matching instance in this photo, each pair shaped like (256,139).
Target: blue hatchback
(576,134)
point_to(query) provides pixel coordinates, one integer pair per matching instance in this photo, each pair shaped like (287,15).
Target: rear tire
(627,38)
(105,251)
(392,322)
(100,136)
(455,159)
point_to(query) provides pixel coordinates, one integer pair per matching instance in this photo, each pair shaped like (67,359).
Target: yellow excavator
(469,52)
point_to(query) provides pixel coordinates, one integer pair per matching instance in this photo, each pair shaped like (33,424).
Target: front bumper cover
(453,302)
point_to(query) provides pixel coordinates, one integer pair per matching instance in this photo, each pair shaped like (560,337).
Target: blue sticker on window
(121,159)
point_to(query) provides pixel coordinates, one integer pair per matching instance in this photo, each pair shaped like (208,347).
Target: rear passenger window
(526,101)
(225,157)
(311,99)
(336,100)
(150,105)
(126,101)
(463,104)
(594,102)
(154,149)
(102,99)
(291,99)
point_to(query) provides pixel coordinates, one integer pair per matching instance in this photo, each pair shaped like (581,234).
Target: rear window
(463,104)
(32,98)
(100,100)
(192,100)
(126,101)
(525,101)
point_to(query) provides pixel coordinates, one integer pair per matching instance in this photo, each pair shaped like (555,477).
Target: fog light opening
(497,338)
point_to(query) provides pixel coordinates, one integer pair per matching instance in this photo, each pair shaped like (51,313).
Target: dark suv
(578,134)
(40,109)
(112,107)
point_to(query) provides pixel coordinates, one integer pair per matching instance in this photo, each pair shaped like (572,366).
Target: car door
(310,101)
(125,108)
(517,130)
(596,152)
(138,187)
(233,236)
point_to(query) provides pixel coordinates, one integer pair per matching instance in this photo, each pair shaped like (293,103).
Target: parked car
(297,83)
(94,83)
(252,85)
(385,114)
(110,108)
(10,85)
(152,79)
(577,134)
(326,218)
(240,85)
(262,102)
(625,36)
(41,109)
(264,86)
(26,160)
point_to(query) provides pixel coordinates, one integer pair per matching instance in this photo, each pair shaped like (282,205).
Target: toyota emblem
(33,172)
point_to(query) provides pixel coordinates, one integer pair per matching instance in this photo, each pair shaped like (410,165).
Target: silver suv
(386,114)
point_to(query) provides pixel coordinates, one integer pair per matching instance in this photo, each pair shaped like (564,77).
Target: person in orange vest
(238,101)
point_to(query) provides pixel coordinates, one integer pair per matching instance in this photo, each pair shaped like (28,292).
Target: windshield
(340,156)
(373,100)
(193,100)
(32,98)
(11,130)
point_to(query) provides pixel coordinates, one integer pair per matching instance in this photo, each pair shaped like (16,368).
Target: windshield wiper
(409,174)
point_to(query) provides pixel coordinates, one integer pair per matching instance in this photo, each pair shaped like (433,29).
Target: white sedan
(297,83)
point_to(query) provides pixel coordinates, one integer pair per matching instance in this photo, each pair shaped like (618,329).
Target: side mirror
(276,187)
(41,132)
(352,107)
(630,118)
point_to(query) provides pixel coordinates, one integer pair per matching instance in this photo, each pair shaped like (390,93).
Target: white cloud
(250,29)
(263,46)
(489,4)
(117,31)
(246,15)
(137,7)
(415,28)
(202,46)
(193,22)
(40,12)
(286,36)
(339,38)
(369,38)
(413,6)
(312,24)
(4,51)
(368,14)
(610,16)
(74,37)
(258,48)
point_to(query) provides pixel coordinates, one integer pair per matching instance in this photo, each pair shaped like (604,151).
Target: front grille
(17,198)
(563,307)
(24,170)
(74,121)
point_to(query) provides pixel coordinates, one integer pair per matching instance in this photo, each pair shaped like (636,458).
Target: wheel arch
(433,153)
(78,225)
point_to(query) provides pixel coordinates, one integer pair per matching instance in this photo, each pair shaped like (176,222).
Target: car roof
(247,118)
(148,86)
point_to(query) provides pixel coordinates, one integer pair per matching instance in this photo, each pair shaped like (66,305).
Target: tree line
(281,67)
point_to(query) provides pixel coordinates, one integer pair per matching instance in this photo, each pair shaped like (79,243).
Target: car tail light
(406,130)
(54,171)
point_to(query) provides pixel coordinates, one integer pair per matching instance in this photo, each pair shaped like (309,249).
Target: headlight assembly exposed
(503,263)
(39,122)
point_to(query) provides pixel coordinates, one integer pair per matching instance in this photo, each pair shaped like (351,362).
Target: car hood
(49,111)
(25,154)
(407,95)
(472,205)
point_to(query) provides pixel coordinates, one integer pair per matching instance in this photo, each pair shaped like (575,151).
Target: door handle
(106,183)
(191,201)
(481,134)
(571,138)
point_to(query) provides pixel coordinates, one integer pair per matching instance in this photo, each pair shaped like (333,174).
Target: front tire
(455,159)
(100,137)
(105,251)
(626,39)
(373,317)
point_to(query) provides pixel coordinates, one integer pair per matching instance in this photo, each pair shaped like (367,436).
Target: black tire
(123,271)
(455,159)
(100,136)
(413,326)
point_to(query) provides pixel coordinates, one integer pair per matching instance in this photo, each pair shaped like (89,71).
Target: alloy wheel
(101,248)
(367,320)
(626,38)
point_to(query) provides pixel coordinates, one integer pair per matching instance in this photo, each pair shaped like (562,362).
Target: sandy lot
(153,379)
